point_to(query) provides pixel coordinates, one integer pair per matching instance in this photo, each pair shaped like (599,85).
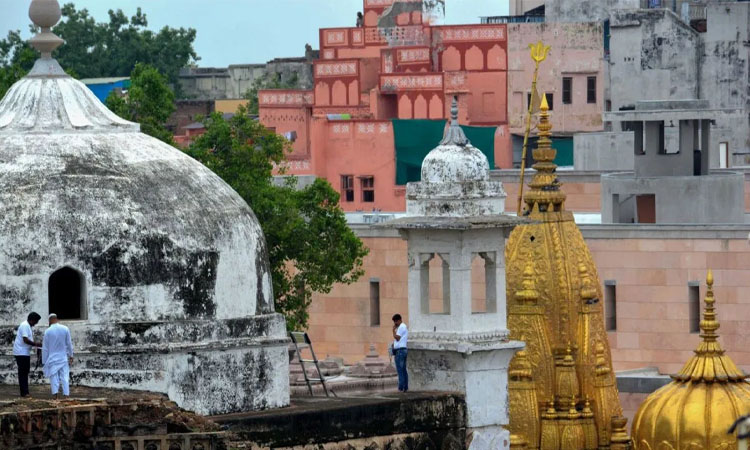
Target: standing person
(22,350)
(400,338)
(57,354)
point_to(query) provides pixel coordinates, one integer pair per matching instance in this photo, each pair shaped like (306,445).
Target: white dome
(155,234)
(455,164)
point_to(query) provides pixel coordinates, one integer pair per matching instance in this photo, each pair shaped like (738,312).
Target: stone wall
(213,83)
(94,426)
(724,75)
(650,265)
(604,151)
(395,421)
(584,10)
(653,56)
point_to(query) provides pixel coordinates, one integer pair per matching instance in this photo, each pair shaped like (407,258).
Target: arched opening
(67,293)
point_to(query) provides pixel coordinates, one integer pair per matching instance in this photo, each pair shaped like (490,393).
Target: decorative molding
(471,33)
(413,82)
(336,69)
(286,98)
(413,55)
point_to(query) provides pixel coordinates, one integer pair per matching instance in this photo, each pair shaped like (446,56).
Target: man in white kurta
(57,353)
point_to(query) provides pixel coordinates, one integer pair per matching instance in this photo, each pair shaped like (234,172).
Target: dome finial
(454,135)
(709,324)
(45,14)
(545,193)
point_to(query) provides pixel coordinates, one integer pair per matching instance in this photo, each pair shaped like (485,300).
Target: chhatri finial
(454,135)
(545,194)
(45,14)
(709,324)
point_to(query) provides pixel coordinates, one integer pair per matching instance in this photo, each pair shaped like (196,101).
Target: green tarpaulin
(415,138)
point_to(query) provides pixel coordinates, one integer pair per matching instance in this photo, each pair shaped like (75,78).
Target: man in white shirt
(57,353)
(400,339)
(22,347)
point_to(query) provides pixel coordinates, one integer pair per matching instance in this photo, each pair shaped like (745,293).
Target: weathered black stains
(190,273)
(262,264)
(440,417)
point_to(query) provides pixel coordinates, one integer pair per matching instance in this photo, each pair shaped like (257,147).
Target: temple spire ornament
(555,292)
(454,135)
(45,14)
(702,402)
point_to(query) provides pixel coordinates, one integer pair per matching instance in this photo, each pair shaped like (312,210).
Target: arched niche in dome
(66,293)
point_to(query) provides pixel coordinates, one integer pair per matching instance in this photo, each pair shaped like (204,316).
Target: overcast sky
(245,31)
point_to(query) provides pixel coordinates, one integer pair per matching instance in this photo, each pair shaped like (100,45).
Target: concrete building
(157,266)
(573,77)
(665,171)
(212,83)
(380,103)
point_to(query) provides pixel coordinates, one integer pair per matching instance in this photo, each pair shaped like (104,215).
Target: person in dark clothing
(22,348)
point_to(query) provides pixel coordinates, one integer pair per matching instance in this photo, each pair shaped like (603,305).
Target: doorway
(67,290)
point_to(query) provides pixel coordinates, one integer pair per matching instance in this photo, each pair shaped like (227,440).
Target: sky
(245,31)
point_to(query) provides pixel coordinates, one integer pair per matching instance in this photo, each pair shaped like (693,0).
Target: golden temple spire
(710,364)
(545,194)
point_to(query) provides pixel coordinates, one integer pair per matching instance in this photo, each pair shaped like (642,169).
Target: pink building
(380,100)
(572,76)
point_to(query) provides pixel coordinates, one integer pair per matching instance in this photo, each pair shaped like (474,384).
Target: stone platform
(111,419)
(396,421)
(101,419)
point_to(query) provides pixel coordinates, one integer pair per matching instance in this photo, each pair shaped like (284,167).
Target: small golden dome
(695,410)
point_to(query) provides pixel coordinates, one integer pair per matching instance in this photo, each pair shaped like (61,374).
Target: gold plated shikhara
(695,410)
(563,394)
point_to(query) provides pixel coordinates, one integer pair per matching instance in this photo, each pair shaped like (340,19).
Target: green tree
(104,49)
(310,245)
(16,59)
(149,101)
(268,81)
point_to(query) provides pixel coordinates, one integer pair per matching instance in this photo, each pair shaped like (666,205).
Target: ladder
(299,337)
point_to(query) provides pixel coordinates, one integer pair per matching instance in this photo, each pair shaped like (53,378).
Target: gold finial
(709,364)
(545,194)
(520,367)
(588,292)
(545,105)
(602,368)
(45,14)
(528,293)
(539,52)
(709,324)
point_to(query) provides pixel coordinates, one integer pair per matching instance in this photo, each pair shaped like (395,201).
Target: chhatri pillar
(458,341)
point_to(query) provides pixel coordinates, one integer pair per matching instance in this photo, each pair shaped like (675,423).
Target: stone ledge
(330,420)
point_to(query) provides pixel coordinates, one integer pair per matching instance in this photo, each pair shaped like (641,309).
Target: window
(67,290)
(374,302)
(567,91)
(723,155)
(347,188)
(694,300)
(610,305)
(368,189)
(550,100)
(591,90)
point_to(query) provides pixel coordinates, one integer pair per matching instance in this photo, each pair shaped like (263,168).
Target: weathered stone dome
(156,235)
(158,267)
(702,402)
(455,164)
(455,179)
